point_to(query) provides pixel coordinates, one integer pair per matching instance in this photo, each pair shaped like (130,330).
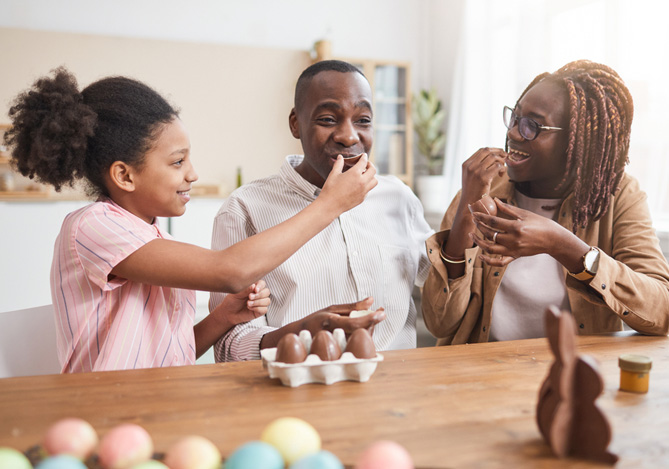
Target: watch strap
(585,274)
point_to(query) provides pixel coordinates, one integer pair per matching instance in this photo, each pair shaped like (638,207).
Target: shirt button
(496,274)
(603,286)
(625,313)
(430,251)
(582,326)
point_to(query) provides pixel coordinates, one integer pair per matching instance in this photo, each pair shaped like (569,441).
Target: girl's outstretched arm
(180,265)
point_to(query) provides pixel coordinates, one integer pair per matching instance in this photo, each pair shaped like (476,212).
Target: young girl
(121,287)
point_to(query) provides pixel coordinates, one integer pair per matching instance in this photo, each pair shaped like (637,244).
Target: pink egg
(385,455)
(193,452)
(71,436)
(124,446)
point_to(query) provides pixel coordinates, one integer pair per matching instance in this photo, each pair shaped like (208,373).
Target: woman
(567,225)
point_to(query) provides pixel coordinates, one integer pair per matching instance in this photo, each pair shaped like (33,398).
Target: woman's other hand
(518,233)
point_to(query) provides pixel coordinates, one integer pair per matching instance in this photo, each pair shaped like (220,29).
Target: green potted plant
(428,119)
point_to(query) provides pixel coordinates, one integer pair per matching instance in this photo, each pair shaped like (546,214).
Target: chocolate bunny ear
(552,326)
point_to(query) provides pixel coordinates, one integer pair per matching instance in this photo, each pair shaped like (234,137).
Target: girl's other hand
(248,304)
(345,190)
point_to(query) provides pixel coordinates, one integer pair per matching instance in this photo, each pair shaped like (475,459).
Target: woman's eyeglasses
(528,128)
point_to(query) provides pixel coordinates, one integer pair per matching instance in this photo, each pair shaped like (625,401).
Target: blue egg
(321,460)
(256,455)
(62,461)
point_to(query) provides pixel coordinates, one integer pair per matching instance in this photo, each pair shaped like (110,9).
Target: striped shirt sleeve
(104,238)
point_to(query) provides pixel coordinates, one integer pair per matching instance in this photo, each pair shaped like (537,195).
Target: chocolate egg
(486,205)
(360,313)
(290,349)
(351,160)
(325,346)
(360,344)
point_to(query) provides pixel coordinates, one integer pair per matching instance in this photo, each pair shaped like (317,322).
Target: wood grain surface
(457,406)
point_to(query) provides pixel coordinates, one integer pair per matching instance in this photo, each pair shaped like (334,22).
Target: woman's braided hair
(600,120)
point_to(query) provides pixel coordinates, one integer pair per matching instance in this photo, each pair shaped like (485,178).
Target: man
(369,258)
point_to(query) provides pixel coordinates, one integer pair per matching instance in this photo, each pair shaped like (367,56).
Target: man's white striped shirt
(376,249)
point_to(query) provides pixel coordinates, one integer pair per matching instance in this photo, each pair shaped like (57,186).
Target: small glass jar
(634,372)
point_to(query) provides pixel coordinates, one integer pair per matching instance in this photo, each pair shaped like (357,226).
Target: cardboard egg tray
(315,370)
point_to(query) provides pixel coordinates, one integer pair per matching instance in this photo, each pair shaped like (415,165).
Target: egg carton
(315,370)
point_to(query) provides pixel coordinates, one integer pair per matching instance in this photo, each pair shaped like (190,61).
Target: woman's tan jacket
(631,285)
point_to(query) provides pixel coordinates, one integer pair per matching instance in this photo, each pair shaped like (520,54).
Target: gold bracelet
(449,260)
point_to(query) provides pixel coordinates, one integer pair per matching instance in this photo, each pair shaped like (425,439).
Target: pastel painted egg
(72,436)
(321,460)
(153,464)
(293,437)
(193,452)
(360,344)
(124,446)
(62,461)
(290,349)
(255,454)
(12,459)
(325,346)
(385,455)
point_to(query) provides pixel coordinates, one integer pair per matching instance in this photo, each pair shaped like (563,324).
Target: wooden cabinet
(392,152)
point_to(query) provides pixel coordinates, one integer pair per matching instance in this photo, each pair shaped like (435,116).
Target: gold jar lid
(633,362)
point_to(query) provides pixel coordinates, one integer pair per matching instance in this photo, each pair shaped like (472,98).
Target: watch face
(591,261)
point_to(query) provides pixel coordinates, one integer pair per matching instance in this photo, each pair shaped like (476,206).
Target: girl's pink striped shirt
(112,324)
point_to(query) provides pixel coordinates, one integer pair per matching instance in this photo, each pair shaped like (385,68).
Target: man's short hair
(323,66)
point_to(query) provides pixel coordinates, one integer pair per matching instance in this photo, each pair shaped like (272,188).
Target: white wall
(383,29)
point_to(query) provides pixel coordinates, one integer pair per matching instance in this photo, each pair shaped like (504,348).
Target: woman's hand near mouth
(477,175)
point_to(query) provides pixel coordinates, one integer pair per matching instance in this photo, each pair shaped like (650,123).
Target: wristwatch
(590,265)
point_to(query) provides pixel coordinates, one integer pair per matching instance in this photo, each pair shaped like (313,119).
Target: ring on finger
(494,237)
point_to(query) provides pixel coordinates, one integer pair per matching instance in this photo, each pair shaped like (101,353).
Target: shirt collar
(294,180)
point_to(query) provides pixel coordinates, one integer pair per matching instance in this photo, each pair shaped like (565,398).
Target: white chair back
(28,342)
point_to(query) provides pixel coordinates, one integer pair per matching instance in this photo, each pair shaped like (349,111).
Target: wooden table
(459,406)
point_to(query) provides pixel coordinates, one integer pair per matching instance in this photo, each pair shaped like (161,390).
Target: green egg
(12,459)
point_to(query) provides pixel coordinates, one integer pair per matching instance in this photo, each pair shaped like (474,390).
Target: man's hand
(328,319)
(337,317)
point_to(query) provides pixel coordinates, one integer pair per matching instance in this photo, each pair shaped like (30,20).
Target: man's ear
(122,176)
(292,122)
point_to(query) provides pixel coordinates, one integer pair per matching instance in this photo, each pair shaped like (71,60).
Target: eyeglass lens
(527,127)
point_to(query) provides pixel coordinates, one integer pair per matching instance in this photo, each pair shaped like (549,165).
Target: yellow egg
(293,437)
